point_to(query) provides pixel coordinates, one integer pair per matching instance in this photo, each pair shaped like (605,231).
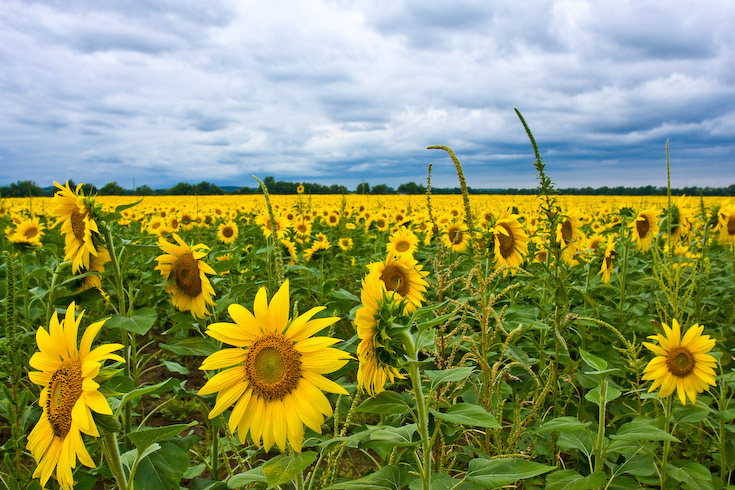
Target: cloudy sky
(343,91)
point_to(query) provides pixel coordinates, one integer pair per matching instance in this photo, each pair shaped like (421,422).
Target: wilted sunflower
(645,228)
(74,213)
(377,361)
(405,277)
(189,284)
(402,243)
(27,232)
(511,242)
(227,232)
(681,364)
(68,397)
(273,375)
(726,224)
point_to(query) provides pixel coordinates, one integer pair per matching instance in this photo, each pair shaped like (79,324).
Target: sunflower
(681,363)
(300,189)
(68,397)
(189,285)
(645,229)
(403,276)
(264,221)
(402,243)
(607,260)
(227,232)
(511,242)
(156,226)
(680,220)
(377,362)
(456,237)
(273,374)
(27,232)
(345,243)
(726,224)
(570,236)
(74,213)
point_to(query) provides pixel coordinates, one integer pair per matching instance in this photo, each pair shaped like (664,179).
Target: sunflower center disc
(642,227)
(77,224)
(731,227)
(455,236)
(227,232)
(186,273)
(273,366)
(30,232)
(64,390)
(506,241)
(402,246)
(680,362)
(395,279)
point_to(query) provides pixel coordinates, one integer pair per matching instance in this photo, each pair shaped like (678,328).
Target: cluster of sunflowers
(272,377)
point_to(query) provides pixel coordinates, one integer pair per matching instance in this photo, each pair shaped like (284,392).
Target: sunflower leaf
(492,473)
(448,375)
(251,476)
(385,402)
(386,478)
(140,323)
(467,414)
(571,480)
(642,430)
(284,468)
(146,437)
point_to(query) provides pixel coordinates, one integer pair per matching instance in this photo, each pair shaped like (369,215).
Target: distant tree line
(27,188)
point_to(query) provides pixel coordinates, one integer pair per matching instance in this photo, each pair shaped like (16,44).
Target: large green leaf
(386,478)
(399,436)
(448,375)
(163,469)
(596,363)
(642,430)
(571,480)
(611,394)
(140,323)
(467,414)
(693,475)
(386,402)
(560,424)
(196,346)
(493,473)
(148,390)
(284,468)
(144,438)
(251,476)
(576,439)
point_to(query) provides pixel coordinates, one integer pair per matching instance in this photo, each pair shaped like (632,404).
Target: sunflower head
(682,363)
(511,242)
(76,214)
(645,228)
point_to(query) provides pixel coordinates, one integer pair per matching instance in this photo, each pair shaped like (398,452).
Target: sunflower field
(367,342)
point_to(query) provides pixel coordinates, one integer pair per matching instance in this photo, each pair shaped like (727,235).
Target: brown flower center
(186,273)
(395,279)
(272,366)
(402,246)
(64,390)
(506,242)
(642,226)
(680,362)
(455,235)
(731,226)
(228,232)
(567,231)
(77,224)
(30,232)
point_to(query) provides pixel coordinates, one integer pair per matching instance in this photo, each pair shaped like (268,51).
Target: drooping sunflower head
(606,269)
(511,242)
(645,228)
(74,212)
(682,364)
(273,377)
(69,395)
(403,276)
(186,273)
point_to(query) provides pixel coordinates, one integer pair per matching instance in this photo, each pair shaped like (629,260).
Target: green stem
(601,425)
(423,422)
(667,443)
(623,273)
(112,455)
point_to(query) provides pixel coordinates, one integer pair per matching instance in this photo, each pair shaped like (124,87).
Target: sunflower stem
(421,409)
(667,443)
(601,425)
(623,273)
(112,455)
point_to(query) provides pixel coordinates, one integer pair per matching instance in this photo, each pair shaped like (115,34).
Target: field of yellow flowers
(367,342)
